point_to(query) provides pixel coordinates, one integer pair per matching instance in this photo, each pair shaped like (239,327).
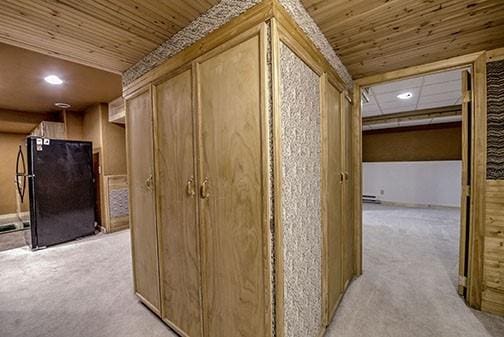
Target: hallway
(408,286)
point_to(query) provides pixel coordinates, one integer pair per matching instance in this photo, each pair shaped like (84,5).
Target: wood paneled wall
(9,145)
(423,143)
(493,259)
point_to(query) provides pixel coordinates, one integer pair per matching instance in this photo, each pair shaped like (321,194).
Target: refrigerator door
(61,190)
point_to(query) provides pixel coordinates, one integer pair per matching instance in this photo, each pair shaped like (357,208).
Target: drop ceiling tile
(370,113)
(431,105)
(454,75)
(438,88)
(397,86)
(447,96)
(392,96)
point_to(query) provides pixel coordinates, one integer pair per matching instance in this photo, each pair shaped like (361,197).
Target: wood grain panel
(347,235)
(141,198)
(430,142)
(493,274)
(106,34)
(232,215)
(178,226)
(376,36)
(334,199)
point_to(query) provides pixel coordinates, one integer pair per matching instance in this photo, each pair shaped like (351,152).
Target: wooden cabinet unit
(142,199)
(211,251)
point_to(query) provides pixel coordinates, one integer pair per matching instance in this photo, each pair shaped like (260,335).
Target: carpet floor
(408,286)
(84,288)
(79,289)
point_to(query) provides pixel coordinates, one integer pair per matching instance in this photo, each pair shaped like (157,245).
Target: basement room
(252,168)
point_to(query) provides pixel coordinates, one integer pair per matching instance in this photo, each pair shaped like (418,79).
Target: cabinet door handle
(342,177)
(148,183)
(190,187)
(204,190)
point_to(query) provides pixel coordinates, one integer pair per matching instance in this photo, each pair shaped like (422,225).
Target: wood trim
(148,304)
(444,65)
(478,62)
(495,55)
(277,176)
(454,110)
(464,221)
(479,143)
(251,18)
(357,169)
(324,199)
(157,206)
(196,104)
(264,121)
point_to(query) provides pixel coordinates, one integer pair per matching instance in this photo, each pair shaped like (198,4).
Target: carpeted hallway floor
(84,288)
(408,287)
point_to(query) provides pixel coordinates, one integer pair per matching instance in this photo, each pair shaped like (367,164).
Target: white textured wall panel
(435,183)
(301,218)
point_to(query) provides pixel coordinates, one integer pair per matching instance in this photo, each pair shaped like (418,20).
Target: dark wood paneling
(422,143)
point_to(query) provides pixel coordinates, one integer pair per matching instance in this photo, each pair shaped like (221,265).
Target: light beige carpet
(409,283)
(79,289)
(84,288)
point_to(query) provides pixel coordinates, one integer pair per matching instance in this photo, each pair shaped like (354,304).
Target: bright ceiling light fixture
(406,95)
(53,79)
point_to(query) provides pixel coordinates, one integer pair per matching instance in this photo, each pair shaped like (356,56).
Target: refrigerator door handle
(21,175)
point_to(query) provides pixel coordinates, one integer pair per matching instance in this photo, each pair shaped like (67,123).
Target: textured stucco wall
(301,218)
(495,110)
(221,14)
(211,20)
(305,21)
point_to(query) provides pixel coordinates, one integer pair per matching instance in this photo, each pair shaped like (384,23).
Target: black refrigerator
(59,175)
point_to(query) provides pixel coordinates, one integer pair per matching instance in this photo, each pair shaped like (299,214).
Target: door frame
(477,63)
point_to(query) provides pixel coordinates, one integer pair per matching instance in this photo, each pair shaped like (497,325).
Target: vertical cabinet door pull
(204,193)
(190,187)
(148,183)
(342,177)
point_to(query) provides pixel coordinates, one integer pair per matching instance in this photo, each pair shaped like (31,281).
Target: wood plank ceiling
(376,36)
(107,34)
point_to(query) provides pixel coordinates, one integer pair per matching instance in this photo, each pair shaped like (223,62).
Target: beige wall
(9,145)
(74,125)
(91,126)
(114,145)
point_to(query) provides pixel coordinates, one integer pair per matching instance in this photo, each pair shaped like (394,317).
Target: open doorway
(416,169)
(418,144)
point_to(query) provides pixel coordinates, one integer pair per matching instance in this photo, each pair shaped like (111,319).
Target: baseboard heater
(370,199)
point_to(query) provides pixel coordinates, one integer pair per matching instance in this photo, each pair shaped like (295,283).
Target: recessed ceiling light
(406,95)
(53,79)
(62,105)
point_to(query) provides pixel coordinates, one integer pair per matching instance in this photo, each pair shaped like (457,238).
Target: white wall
(436,183)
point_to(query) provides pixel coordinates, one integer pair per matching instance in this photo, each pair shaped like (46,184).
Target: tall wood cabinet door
(142,200)
(176,190)
(232,193)
(347,226)
(334,200)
